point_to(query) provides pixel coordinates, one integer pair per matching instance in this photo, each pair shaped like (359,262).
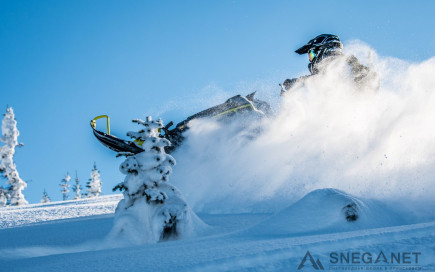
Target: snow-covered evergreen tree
(3,197)
(9,137)
(152,209)
(64,184)
(45,198)
(94,184)
(77,188)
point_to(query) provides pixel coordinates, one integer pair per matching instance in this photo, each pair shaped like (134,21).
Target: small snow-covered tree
(3,197)
(77,188)
(94,184)
(9,137)
(152,209)
(45,198)
(64,184)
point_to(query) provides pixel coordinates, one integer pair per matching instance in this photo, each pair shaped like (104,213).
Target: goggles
(311,55)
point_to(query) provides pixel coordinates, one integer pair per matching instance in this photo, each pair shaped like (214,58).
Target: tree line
(11,194)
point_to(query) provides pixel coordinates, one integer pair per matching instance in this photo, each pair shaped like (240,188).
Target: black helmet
(322,46)
(320,42)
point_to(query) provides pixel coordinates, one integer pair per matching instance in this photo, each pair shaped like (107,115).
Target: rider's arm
(289,83)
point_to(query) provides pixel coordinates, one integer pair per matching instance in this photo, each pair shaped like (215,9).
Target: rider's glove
(288,83)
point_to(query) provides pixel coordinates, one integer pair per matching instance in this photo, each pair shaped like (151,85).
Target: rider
(326,47)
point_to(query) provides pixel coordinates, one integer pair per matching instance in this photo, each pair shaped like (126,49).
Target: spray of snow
(327,133)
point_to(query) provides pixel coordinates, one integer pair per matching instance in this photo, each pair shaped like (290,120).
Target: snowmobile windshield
(311,55)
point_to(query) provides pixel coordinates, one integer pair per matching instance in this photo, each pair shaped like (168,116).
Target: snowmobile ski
(234,105)
(111,141)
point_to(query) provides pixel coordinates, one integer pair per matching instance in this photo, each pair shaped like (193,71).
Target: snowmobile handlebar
(94,122)
(166,128)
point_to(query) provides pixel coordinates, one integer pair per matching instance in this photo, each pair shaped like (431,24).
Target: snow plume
(8,169)
(327,132)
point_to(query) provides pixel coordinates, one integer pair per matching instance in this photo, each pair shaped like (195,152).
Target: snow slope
(35,213)
(236,242)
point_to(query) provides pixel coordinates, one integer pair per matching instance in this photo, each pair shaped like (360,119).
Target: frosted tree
(94,184)
(152,209)
(45,198)
(3,197)
(8,169)
(77,188)
(64,184)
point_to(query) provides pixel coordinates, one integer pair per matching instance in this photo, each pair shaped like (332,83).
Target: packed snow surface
(234,242)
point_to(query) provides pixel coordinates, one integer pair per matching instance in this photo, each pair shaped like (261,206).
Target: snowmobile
(227,110)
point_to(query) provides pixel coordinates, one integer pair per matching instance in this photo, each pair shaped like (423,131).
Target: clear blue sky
(64,62)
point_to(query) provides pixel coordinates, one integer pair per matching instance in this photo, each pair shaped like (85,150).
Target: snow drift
(325,211)
(326,134)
